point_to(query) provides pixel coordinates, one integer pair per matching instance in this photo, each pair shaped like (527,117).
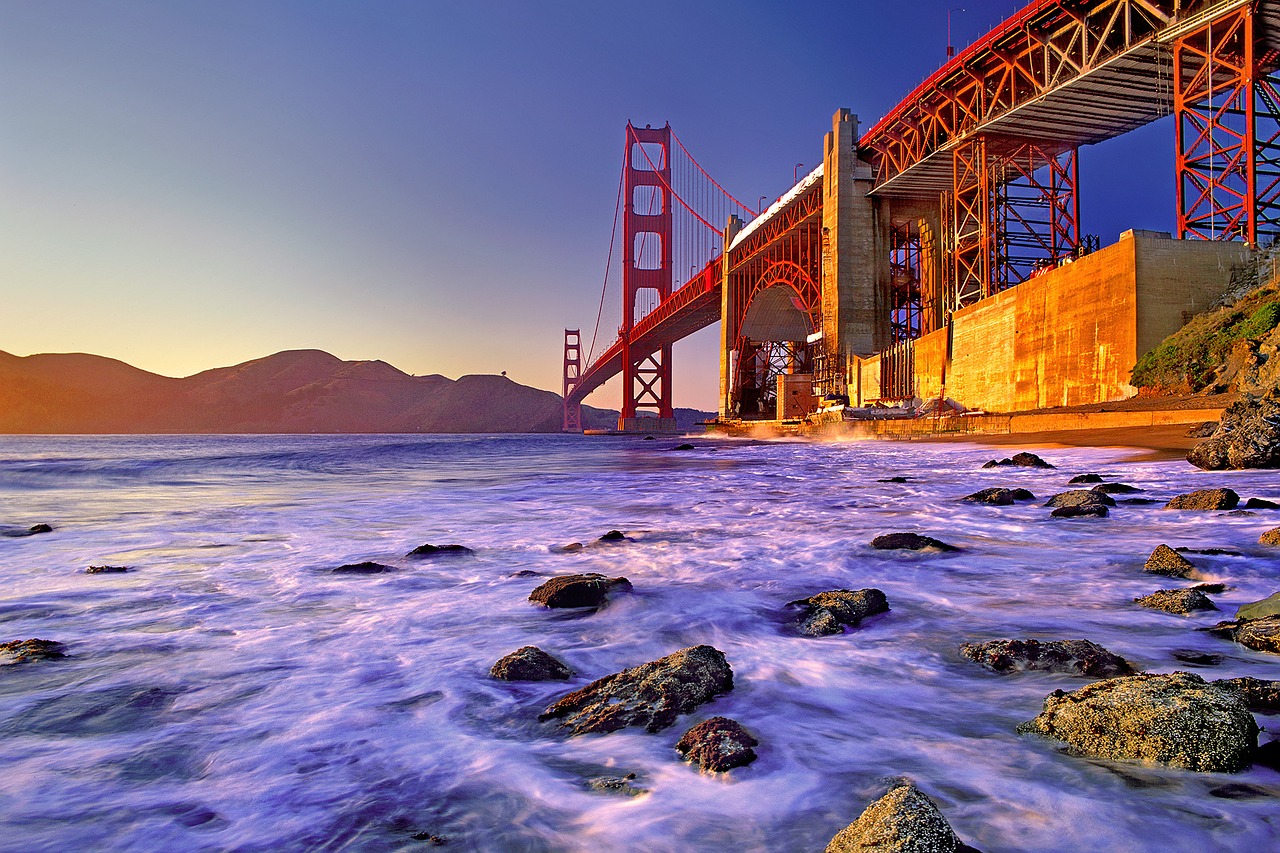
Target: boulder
(1072,657)
(828,612)
(1082,511)
(1177,719)
(1269,606)
(530,663)
(1080,497)
(366,568)
(1197,658)
(895,480)
(1203,430)
(1181,601)
(683,447)
(1168,562)
(1271,537)
(423,552)
(718,744)
(1115,489)
(39,528)
(613,536)
(23,651)
(651,695)
(904,820)
(999,497)
(106,570)
(30,531)
(616,784)
(589,590)
(570,548)
(1205,499)
(1248,436)
(1261,696)
(1211,588)
(1261,635)
(1084,478)
(1260,503)
(909,542)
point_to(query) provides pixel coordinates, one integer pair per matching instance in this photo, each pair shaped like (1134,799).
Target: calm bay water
(230,693)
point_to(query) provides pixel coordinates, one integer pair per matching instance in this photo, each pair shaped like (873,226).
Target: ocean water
(231,693)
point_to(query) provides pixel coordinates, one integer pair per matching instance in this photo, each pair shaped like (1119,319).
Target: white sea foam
(231,693)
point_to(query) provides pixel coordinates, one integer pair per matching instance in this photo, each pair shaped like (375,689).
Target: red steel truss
(1228,130)
(905,302)
(572,376)
(647,233)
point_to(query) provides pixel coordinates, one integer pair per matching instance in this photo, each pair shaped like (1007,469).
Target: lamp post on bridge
(951,51)
(760,204)
(795,173)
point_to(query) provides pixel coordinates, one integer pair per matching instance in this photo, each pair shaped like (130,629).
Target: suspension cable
(613,235)
(709,178)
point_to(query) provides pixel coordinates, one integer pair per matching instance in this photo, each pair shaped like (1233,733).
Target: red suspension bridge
(968,187)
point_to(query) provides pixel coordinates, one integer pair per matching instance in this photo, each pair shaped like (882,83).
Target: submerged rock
(30,531)
(1072,657)
(1080,497)
(1248,436)
(904,820)
(1178,719)
(23,651)
(895,479)
(1019,460)
(1197,658)
(423,552)
(1168,562)
(1116,489)
(1261,635)
(651,695)
(1180,601)
(999,497)
(571,548)
(828,612)
(1081,511)
(1260,503)
(613,536)
(909,542)
(588,590)
(106,570)
(1271,537)
(616,784)
(1261,696)
(1205,499)
(1269,606)
(683,447)
(718,744)
(366,568)
(530,663)
(1210,588)
(1084,478)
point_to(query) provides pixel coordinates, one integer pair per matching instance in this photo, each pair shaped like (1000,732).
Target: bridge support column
(572,377)
(729,310)
(855,246)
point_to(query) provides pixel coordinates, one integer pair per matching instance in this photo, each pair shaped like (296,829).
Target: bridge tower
(646,276)
(572,378)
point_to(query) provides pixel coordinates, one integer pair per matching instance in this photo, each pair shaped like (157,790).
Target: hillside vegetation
(1230,348)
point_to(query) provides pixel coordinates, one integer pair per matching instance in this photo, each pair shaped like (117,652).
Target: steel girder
(905,302)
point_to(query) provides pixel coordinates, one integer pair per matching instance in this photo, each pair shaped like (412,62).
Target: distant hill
(298,391)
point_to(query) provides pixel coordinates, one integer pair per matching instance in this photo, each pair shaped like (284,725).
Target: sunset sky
(185,185)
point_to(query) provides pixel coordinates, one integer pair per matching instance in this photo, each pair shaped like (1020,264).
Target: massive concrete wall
(1071,336)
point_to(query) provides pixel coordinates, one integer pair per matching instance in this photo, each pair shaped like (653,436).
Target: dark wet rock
(571,548)
(1261,696)
(39,528)
(530,663)
(616,785)
(1268,755)
(828,612)
(1197,658)
(1140,501)
(366,568)
(1177,719)
(613,536)
(650,438)
(895,480)
(1115,489)
(1269,606)
(1084,478)
(651,695)
(423,552)
(909,542)
(1080,497)
(1180,601)
(1260,503)
(1211,552)
(683,447)
(999,497)
(1019,460)
(1211,588)
(1082,511)
(1241,513)
(431,838)
(30,531)
(1240,791)
(718,744)
(1168,562)
(1205,499)
(904,820)
(1248,436)
(1261,635)
(1203,430)
(1271,537)
(589,590)
(525,573)
(106,570)
(23,651)
(1072,657)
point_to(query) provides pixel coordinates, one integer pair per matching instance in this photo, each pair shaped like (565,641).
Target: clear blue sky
(186,185)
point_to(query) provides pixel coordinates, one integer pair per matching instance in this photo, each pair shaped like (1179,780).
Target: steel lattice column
(1228,131)
(972,240)
(1037,211)
(646,229)
(572,376)
(904,282)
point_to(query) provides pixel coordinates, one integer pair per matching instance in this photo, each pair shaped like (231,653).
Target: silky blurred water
(230,693)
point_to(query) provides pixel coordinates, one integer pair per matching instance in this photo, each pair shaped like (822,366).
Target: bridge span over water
(967,188)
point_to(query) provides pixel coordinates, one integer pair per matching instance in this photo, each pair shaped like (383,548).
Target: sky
(188,185)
